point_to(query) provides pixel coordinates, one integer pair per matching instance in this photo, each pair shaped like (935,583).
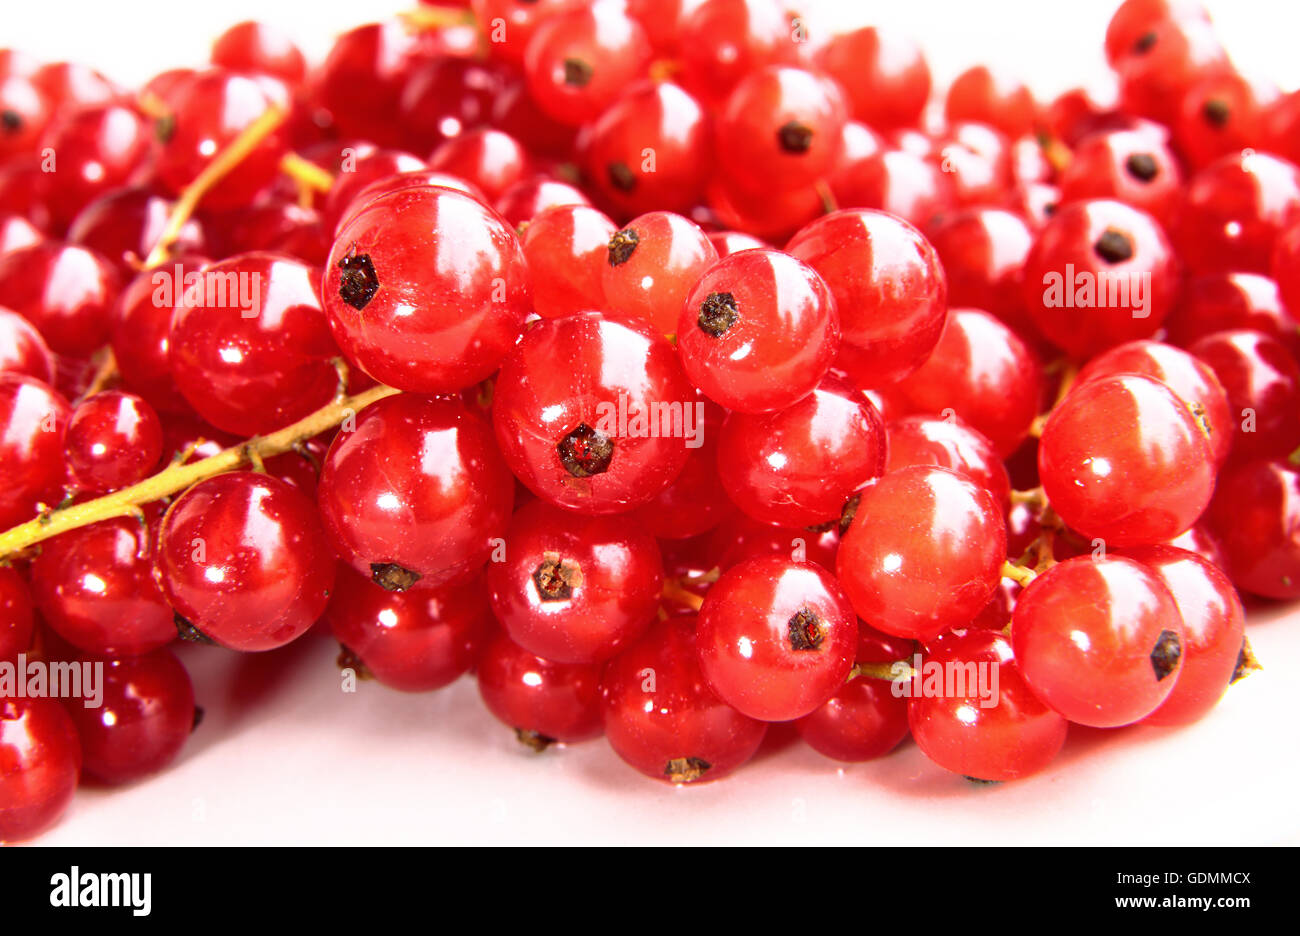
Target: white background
(284,756)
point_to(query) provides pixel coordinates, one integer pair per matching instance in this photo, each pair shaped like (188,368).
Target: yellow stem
(1018,573)
(306,173)
(105,375)
(221,165)
(899,669)
(673,591)
(178,477)
(431,18)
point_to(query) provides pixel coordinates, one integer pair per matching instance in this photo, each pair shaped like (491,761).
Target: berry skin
(1013,738)
(1134,166)
(983,252)
(776,638)
(27,115)
(95,587)
(739,537)
(575,589)
(781,127)
(124,224)
(1191,380)
(17,617)
(413,641)
(33,420)
(487,158)
(1262,383)
(884,74)
(242,557)
(1164,63)
(722,41)
(1213,630)
(1222,113)
(542,700)
(923,553)
(758,331)
(146,716)
(798,466)
(567,249)
(651,149)
(256,47)
(1099,274)
(527,199)
(114,439)
(1228,301)
(696,501)
(426,290)
(415,493)
(951,444)
(663,719)
(889,288)
(1256,515)
(579,60)
(984,373)
(349,193)
(987,96)
(1234,211)
(40,761)
(64,290)
(584,413)
(360,82)
(22,349)
(1123,460)
(396,182)
(98,150)
(651,265)
(1099,640)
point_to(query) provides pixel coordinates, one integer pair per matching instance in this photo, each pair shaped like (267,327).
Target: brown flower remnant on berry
(686,769)
(805,630)
(556,578)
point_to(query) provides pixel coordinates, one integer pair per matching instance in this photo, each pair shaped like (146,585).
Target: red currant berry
(70,87)
(951,444)
(510,24)
(884,73)
(1256,515)
(256,47)
(33,421)
(1099,274)
(26,115)
(489,159)
(1005,737)
(361,80)
(414,641)
(416,492)
(16,231)
(113,439)
(124,224)
(739,537)
(146,716)
(17,617)
(923,553)
(543,701)
(567,250)
(98,149)
(64,290)
(594,414)
(696,501)
(651,266)
(1164,63)
(758,331)
(242,557)
(799,466)
(22,349)
(1262,383)
(1230,301)
(40,761)
(575,589)
(888,284)
(983,252)
(345,197)
(426,290)
(1100,640)
(1134,166)
(525,200)
(989,96)
(773,216)
(727,243)
(663,719)
(1213,630)
(722,41)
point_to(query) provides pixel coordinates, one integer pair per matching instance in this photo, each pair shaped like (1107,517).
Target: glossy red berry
(528,198)
(952,444)
(256,47)
(1213,630)
(722,41)
(510,24)
(1256,515)
(146,716)
(96,150)
(113,439)
(417,640)
(923,553)
(22,349)
(1164,62)
(889,288)
(663,719)
(884,73)
(415,492)
(774,215)
(242,557)
(1100,640)
(543,701)
(730,242)
(1003,735)
(488,158)
(123,226)
(800,465)
(27,114)
(33,420)
(40,762)
(992,97)
(349,194)
(1099,274)
(1262,383)
(17,617)
(758,331)
(567,249)
(435,307)
(1222,113)
(739,537)
(983,252)
(776,638)
(594,414)
(696,501)
(64,290)
(574,589)
(651,265)
(1134,166)
(1230,301)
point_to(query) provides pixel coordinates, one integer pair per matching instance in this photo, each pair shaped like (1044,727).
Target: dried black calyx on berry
(622,245)
(1114,246)
(686,769)
(1144,43)
(849,511)
(533,740)
(820,528)
(1142,166)
(392,577)
(585,451)
(348,660)
(1246,662)
(795,137)
(11,121)
(358,282)
(577,73)
(198,718)
(718,313)
(556,578)
(980,780)
(621,176)
(189,633)
(805,630)
(1217,112)
(1166,654)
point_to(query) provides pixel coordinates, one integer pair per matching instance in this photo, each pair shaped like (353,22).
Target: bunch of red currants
(669,365)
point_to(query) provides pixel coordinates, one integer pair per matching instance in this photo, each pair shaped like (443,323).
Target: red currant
(33,420)
(64,290)
(567,249)
(651,265)
(543,701)
(40,761)
(884,73)
(1256,515)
